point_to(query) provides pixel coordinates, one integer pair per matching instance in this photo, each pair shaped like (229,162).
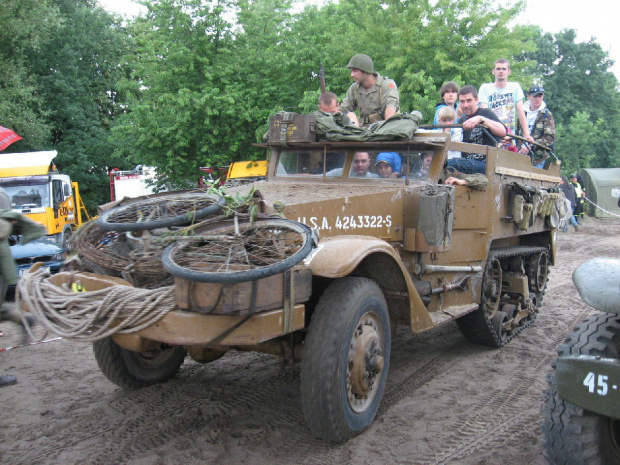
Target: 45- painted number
(596,384)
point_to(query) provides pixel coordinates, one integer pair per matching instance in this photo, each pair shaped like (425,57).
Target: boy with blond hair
(447,116)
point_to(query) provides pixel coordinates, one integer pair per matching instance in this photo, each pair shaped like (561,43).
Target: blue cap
(392,158)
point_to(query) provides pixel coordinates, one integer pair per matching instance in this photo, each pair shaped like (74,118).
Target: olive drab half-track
(375,252)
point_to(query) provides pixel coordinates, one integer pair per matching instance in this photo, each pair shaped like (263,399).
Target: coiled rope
(92,315)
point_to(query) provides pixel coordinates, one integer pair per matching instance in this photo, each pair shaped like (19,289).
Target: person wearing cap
(541,126)
(579,197)
(375,97)
(388,164)
(505,98)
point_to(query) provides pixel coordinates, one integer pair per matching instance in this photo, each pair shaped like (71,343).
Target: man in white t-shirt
(505,99)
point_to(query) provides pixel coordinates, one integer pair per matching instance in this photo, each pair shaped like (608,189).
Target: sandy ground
(446,401)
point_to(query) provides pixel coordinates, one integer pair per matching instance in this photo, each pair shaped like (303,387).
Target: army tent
(598,183)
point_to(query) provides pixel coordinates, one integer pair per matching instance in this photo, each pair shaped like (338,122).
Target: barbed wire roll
(92,315)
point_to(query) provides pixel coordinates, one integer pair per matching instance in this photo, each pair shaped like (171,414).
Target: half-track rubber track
(488,326)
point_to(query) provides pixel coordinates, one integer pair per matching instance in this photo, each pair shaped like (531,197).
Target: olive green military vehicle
(582,407)
(401,250)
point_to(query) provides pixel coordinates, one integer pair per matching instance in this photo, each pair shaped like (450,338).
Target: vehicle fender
(337,257)
(597,282)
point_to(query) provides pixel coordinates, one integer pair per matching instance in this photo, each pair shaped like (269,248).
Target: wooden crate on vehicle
(277,291)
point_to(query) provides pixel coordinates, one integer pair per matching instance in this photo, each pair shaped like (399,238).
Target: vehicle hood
(36,248)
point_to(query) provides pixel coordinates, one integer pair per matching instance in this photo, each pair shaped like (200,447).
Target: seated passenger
(328,103)
(423,165)
(449,98)
(361,164)
(388,164)
(447,116)
(473,116)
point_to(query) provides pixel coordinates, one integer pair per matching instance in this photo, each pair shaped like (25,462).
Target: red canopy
(7,137)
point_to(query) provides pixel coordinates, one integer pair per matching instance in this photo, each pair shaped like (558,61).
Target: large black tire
(174,209)
(573,435)
(346,359)
(133,370)
(217,255)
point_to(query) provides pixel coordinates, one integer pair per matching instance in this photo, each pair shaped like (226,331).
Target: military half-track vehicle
(404,250)
(582,406)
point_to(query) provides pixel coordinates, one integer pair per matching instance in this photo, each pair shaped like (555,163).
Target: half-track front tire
(346,358)
(134,370)
(573,435)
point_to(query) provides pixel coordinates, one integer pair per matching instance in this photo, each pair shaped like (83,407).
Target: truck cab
(40,192)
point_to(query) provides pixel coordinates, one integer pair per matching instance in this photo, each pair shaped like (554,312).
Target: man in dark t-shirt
(475,120)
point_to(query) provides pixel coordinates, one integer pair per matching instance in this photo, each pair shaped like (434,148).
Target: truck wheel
(173,209)
(571,434)
(132,370)
(346,358)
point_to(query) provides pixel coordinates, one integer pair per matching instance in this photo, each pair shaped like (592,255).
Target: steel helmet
(362,62)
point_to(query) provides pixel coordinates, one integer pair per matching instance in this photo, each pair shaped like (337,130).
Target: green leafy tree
(77,70)
(26,27)
(580,141)
(578,86)
(188,104)
(60,62)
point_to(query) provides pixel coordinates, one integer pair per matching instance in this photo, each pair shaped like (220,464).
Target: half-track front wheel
(573,435)
(346,358)
(132,370)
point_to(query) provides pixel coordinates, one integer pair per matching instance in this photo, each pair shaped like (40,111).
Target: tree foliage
(580,141)
(63,71)
(582,93)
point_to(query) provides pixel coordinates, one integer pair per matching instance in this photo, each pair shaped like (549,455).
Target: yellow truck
(245,172)
(39,191)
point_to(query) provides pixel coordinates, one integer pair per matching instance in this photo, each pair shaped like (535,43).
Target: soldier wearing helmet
(375,97)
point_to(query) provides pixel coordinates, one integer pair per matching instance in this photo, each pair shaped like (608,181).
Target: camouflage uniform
(371,103)
(543,133)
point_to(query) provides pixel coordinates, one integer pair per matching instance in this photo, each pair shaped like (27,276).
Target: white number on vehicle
(349,222)
(596,384)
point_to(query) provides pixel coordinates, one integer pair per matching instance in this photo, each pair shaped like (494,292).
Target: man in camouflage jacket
(541,124)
